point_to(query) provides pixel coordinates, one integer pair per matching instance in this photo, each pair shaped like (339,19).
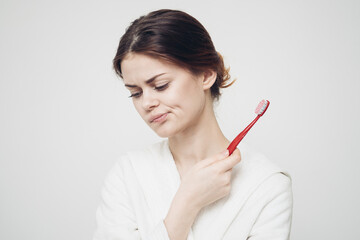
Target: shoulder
(257,172)
(257,163)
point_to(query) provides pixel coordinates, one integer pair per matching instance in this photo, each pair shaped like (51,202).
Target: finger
(229,171)
(236,152)
(229,162)
(220,156)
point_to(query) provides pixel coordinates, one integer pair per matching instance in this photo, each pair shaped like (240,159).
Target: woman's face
(169,98)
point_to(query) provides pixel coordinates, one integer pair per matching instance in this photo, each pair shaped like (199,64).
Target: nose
(149,100)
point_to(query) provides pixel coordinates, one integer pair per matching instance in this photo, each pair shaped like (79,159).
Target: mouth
(159,118)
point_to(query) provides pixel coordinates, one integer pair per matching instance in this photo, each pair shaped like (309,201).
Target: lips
(158,117)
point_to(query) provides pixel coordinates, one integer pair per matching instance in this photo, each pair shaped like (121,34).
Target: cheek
(176,98)
(184,97)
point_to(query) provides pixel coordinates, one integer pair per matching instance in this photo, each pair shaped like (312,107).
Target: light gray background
(65,116)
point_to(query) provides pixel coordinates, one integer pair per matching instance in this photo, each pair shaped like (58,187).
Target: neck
(203,140)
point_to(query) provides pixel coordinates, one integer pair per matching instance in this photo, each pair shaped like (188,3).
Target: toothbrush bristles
(261,108)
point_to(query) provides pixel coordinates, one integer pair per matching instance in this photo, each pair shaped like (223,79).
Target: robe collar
(157,174)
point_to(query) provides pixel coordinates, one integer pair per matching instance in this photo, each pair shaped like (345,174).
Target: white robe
(139,189)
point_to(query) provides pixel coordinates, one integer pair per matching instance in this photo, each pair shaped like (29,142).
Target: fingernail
(225,153)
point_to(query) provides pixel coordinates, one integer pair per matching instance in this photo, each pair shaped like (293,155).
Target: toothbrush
(260,110)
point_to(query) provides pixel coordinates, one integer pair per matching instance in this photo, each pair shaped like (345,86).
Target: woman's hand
(209,179)
(204,183)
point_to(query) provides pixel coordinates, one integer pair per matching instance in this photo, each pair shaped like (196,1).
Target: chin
(163,134)
(165,131)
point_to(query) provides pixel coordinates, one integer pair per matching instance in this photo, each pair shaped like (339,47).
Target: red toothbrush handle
(235,142)
(241,135)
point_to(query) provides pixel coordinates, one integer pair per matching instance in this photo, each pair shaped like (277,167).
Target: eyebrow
(150,80)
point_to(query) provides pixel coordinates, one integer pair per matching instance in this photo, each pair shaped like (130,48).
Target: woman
(187,186)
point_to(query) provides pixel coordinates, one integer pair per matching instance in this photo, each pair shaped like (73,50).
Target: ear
(209,78)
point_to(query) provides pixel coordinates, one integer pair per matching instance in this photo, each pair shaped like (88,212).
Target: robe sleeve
(274,220)
(115,216)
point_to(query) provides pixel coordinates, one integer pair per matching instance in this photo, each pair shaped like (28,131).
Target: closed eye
(135,95)
(162,87)
(159,88)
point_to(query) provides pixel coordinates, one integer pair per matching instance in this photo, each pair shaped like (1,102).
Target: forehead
(137,67)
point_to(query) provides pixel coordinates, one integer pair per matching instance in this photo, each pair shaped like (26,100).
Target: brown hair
(177,37)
